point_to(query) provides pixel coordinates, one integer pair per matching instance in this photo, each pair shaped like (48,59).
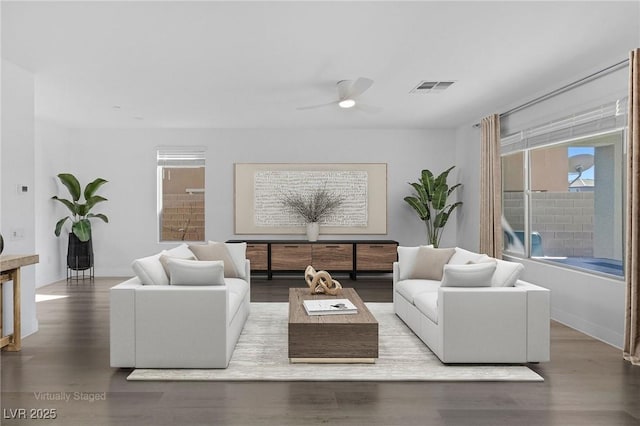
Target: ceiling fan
(348,93)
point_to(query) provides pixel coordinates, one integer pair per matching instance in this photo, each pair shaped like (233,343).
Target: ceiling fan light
(346,103)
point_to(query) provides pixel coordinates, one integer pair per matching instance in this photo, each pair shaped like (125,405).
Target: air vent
(432,86)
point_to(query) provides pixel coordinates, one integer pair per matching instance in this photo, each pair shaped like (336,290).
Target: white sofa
(178,326)
(489,324)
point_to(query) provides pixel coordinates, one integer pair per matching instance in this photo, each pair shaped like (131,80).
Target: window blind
(603,119)
(181,157)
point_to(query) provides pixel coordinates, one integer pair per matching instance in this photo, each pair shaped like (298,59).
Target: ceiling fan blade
(368,108)
(317,106)
(359,87)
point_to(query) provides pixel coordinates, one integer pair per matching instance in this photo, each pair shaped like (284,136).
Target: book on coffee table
(329,307)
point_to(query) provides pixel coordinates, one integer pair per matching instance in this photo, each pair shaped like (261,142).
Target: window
(181,183)
(563,199)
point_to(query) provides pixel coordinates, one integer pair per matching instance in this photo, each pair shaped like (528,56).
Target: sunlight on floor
(45,297)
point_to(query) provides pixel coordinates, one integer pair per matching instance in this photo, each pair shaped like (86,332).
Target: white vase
(313,230)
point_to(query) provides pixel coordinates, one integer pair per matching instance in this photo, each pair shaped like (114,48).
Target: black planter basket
(79,259)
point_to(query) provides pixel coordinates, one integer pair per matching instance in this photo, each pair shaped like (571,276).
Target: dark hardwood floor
(586,383)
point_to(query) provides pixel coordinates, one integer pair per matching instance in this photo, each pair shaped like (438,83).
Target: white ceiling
(250,64)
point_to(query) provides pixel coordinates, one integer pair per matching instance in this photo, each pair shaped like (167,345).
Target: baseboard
(596,331)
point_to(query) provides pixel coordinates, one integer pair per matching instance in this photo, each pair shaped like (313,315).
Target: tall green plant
(430,202)
(80,212)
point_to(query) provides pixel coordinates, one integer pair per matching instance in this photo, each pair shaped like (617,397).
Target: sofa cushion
(237,289)
(149,270)
(237,286)
(462,257)
(409,289)
(470,275)
(213,251)
(406,260)
(429,263)
(427,303)
(506,274)
(196,272)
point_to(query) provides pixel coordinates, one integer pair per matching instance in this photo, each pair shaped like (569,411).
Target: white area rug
(261,355)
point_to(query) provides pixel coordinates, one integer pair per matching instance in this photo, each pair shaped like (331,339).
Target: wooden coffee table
(351,338)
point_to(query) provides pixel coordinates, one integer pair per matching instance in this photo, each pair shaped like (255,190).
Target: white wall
(17,168)
(127,159)
(51,158)
(589,303)
(468,161)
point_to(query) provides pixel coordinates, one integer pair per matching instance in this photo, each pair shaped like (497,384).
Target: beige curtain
(632,247)
(491,188)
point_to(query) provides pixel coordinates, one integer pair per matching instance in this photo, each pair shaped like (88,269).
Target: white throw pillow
(407,260)
(164,259)
(462,257)
(471,275)
(149,270)
(196,272)
(507,273)
(238,252)
(181,252)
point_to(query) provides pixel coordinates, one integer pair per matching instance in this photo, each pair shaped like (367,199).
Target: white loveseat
(480,324)
(178,326)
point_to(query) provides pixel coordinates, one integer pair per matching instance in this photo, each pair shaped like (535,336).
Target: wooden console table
(352,256)
(10,271)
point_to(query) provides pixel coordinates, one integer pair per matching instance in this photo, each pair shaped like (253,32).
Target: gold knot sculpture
(321,282)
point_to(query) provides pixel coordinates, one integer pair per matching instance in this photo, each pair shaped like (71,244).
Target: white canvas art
(271,185)
(260,189)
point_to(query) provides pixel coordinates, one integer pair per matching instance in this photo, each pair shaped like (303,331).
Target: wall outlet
(22,189)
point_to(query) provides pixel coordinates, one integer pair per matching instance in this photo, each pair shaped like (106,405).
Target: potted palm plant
(313,207)
(80,248)
(430,202)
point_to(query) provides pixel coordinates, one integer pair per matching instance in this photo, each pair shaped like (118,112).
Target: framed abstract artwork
(260,188)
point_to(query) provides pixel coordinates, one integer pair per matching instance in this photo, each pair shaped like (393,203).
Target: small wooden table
(351,338)
(10,271)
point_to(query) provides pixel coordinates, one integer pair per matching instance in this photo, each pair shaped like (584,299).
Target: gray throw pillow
(470,275)
(164,260)
(196,272)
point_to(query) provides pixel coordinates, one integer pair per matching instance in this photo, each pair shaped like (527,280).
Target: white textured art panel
(271,185)
(260,187)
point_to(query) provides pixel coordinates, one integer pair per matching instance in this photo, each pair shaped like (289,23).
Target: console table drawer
(336,257)
(258,256)
(290,257)
(376,257)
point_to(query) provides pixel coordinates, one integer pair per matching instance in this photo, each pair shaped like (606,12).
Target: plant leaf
(453,188)
(442,178)
(428,183)
(82,210)
(92,201)
(420,208)
(72,185)
(70,205)
(92,187)
(422,193)
(441,219)
(443,216)
(439,200)
(82,230)
(104,218)
(453,206)
(59,225)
